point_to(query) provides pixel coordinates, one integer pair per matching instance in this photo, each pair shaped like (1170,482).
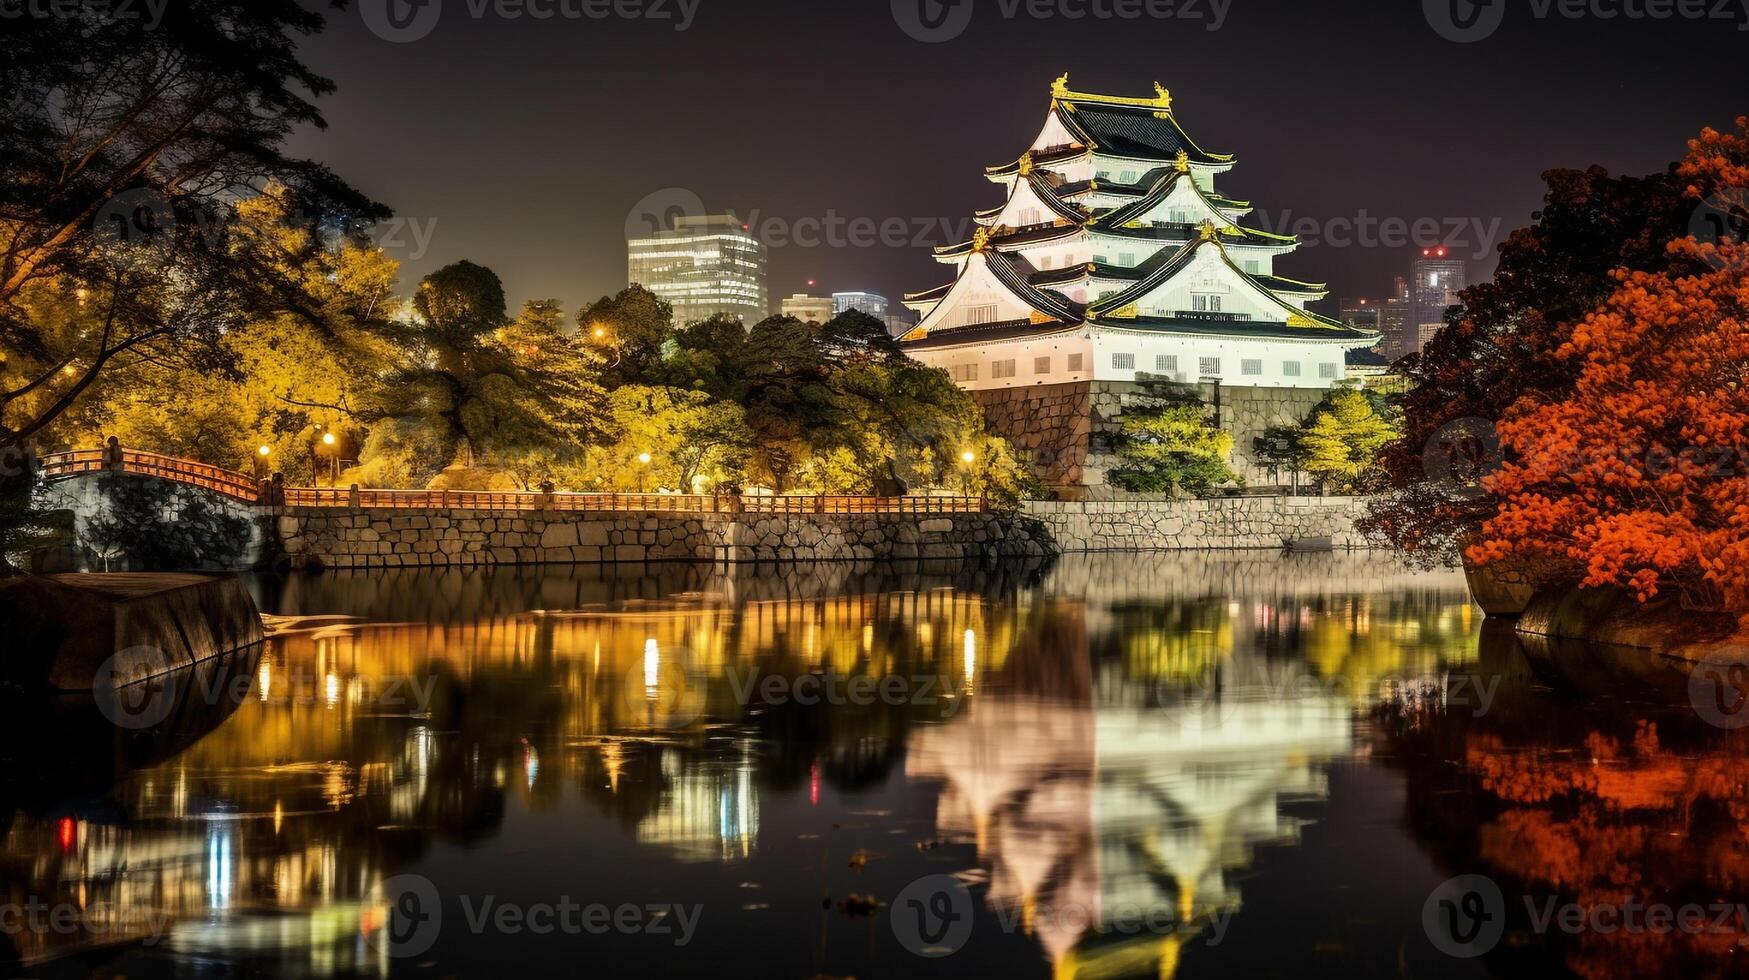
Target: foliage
(123,147)
(1637,477)
(686,435)
(1169,444)
(492,393)
(1501,343)
(1342,439)
(148,524)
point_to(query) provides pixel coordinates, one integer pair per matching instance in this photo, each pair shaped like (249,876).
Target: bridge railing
(241,486)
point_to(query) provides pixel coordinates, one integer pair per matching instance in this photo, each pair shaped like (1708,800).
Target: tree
(1501,343)
(634,326)
(684,433)
(1343,437)
(1168,444)
(1636,477)
(122,146)
(499,397)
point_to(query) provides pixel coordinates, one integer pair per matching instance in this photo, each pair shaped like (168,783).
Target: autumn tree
(1342,439)
(1501,343)
(1168,443)
(1637,477)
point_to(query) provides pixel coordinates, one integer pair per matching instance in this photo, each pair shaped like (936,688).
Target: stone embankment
(423,538)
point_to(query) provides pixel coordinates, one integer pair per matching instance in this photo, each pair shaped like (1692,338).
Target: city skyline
(522,195)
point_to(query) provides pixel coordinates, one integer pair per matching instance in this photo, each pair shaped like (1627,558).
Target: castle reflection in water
(1108,735)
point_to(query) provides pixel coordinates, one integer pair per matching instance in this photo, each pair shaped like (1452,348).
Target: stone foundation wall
(1065,431)
(427,538)
(1222,523)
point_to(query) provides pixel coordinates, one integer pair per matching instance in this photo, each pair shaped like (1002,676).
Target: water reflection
(1110,738)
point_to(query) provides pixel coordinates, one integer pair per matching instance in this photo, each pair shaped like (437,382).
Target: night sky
(525,144)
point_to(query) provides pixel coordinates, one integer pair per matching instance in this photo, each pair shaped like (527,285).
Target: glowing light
(652,668)
(265,450)
(333,690)
(967,456)
(67,832)
(969,658)
(644,458)
(327,438)
(264,680)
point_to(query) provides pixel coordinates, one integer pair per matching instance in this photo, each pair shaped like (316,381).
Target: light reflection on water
(1106,739)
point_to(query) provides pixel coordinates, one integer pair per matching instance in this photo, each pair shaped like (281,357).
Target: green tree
(684,433)
(1169,444)
(634,327)
(500,397)
(1343,438)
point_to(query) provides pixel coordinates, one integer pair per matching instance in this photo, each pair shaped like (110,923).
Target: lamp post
(602,334)
(261,455)
(967,458)
(333,458)
(643,471)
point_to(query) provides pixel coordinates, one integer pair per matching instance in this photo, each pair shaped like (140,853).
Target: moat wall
(425,538)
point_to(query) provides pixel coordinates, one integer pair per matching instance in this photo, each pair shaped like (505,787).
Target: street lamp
(967,458)
(333,458)
(643,469)
(261,455)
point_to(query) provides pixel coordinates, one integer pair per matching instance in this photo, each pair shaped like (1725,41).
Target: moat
(1194,765)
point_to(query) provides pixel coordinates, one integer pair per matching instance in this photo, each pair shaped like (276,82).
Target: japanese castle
(1113,257)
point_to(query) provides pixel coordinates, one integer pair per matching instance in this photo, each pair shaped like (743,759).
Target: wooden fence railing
(241,486)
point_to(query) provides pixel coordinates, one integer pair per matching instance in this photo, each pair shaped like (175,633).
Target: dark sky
(524,144)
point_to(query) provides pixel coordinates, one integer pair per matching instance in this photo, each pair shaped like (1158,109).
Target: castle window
(1166,363)
(981,314)
(1208,367)
(1249,366)
(1326,370)
(1041,365)
(1205,302)
(1290,368)
(1002,369)
(965,372)
(1123,362)
(1075,362)
(1126,259)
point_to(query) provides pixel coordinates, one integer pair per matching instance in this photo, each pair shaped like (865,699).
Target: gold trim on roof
(1182,163)
(1026,164)
(980,239)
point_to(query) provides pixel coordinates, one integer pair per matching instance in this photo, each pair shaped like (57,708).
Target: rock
(62,629)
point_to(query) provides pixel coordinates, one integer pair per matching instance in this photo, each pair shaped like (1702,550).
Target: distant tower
(873,304)
(1434,285)
(704,266)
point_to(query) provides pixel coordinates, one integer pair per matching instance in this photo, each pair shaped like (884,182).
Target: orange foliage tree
(1639,475)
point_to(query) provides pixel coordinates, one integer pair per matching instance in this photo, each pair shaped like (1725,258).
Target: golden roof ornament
(1182,162)
(980,239)
(1208,230)
(1162,97)
(1060,87)
(1026,163)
